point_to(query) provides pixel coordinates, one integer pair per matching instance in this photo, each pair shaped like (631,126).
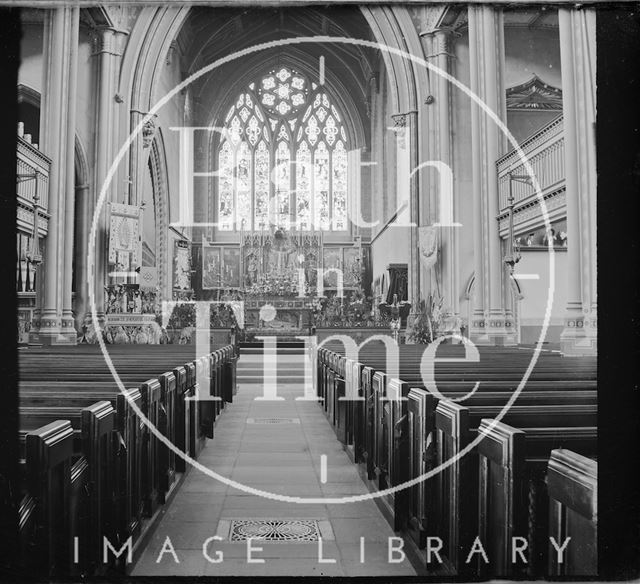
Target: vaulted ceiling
(209,34)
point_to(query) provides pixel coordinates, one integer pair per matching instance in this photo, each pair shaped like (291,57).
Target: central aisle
(275,447)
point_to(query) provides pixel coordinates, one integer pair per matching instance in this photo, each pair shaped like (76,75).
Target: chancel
(308,288)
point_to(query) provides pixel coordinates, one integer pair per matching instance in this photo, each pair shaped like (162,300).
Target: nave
(277,447)
(491,512)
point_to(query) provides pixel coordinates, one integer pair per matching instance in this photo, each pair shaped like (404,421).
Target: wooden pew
(513,500)
(572,485)
(453,512)
(336,371)
(129,471)
(559,393)
(45,509)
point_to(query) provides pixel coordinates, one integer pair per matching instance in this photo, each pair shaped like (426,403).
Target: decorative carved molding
(159,178)
(148,132)
(172,52)
(25,219)
(534,94)
(399,121)
(442,41)
(531,211)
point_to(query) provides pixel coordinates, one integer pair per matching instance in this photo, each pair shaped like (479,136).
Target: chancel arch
(285,126)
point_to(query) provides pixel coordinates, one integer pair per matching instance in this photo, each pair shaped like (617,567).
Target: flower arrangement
(429,322)
(353,311)
(184,316)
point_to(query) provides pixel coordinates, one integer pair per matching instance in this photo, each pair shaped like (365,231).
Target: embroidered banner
(428,242)
(148,278)
(125,244)
(182,265)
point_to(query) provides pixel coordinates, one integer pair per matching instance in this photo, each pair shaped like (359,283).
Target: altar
(277,315)
(280,277)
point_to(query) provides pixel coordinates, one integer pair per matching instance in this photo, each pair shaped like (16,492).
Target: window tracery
(282,158)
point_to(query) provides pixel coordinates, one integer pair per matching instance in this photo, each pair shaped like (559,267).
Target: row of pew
(496,492)
(91,469)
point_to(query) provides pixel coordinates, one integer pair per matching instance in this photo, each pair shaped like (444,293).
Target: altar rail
(545,152)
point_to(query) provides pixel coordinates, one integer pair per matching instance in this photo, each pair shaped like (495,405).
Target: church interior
(307,291)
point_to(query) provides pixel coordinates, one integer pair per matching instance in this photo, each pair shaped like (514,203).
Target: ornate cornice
(534,94)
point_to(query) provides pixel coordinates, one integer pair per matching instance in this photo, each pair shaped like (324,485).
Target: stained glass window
(282,158)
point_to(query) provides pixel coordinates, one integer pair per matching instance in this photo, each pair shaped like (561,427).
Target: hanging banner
(148,278)
(428,243)
(125,244)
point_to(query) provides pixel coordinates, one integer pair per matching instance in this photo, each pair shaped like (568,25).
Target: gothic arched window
(282,158)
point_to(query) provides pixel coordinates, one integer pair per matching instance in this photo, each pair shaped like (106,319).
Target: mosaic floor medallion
(275,530)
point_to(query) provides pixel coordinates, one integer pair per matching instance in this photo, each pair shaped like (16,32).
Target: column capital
(107,39)
(442,41)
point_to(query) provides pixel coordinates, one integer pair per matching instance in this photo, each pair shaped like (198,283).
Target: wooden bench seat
(70,388)
(399,430)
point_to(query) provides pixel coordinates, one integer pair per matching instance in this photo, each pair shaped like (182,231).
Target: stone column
(490,321)
(68,321)
(54,323)
(108,52)
(82,242)
(439,52)
(406,128)
(577,58)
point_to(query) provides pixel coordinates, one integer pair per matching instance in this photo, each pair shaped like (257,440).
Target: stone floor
(281,458)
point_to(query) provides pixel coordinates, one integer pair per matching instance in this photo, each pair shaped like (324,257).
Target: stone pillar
(68,320)
(108,52)
(490,321)
(414,210)
(578,62)
(82,243)
(406,128)
(437,43)
(54,323)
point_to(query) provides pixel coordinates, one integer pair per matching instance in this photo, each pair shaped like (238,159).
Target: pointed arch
(283,126)
(158,165)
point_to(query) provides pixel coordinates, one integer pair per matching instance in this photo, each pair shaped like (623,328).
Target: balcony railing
(545,152)
(31,162)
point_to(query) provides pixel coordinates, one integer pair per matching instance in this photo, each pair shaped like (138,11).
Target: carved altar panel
(182,265)
(221,267)
(211,264)
(230,267)
(352,261)
(353,267)
(331,259)
(279,255)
